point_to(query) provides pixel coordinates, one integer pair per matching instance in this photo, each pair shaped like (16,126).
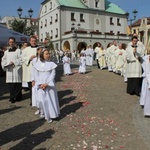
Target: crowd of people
(33,67)
(132,61)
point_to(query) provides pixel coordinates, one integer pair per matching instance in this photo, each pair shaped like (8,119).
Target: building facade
(74,24)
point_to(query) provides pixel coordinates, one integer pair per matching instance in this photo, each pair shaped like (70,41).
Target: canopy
(6,33)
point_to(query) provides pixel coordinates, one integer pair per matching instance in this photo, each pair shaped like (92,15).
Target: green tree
(20,26)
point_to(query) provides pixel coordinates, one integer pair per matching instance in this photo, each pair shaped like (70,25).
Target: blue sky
(142,6)
(9,7)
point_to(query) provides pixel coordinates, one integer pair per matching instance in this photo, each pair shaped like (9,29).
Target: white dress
(144,82)
(66,65)
(44,72)
(34,89)
(82,65)
(147,96)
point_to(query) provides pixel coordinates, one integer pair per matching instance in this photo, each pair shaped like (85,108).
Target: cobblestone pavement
(96,113)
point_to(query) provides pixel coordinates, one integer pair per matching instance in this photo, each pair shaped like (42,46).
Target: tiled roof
(138,22)
(72,3)
(109,7)
(113,8)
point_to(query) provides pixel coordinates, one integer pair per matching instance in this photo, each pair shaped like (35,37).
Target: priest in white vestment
(102,58)
(12,64)
(134,56)
(97,49)
(91,54)
(29,54)
(119,59)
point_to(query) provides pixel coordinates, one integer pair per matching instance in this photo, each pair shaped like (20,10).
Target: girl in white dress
(147,92)
(44,73)
(144,83)
(34,89)
(82,65)
(66,64)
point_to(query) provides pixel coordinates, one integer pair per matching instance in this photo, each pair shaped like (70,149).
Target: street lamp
(20,10)
(30,13)
(134,13)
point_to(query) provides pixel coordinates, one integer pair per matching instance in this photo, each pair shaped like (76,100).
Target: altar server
(28,55)
(12,64)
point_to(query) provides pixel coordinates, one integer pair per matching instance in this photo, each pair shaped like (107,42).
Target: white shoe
(42,116)
(37,112)
(49,120)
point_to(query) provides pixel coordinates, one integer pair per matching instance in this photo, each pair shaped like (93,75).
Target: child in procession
(82,65)
(44,73)
(66,64)
(34,90)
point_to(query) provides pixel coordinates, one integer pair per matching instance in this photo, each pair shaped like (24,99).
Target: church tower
(96,4)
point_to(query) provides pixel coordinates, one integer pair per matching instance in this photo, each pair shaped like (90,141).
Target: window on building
(50,5)
(56,18)
(96,3)
(45,22)
(118,32)
(56,45)
(51,19)
(51,34)
(45,8)
(81,18)
(41,37)
(134,31)
(118,22)
(56,33)
(73,17)
(41,24)
(111,21)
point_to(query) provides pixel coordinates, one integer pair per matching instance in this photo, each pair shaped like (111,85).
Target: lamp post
(74,29)
(134,13)
(30,13)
